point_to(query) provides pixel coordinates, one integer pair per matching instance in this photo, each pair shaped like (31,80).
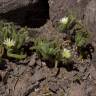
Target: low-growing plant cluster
(76,34)
(13,40)
(51,51)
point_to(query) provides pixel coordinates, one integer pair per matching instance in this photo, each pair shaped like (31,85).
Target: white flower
(9,42)
(66,53)
(64,20)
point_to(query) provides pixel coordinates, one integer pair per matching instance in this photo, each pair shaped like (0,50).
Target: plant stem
(56,63)
(16,56)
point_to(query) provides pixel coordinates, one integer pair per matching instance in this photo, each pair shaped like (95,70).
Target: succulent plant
(64,20)
(66,53)
(12,54)
(9,43)
(47,50)
(65,23)
(76,33)
(13,39)
(51,51)
(1,51)
(81,38)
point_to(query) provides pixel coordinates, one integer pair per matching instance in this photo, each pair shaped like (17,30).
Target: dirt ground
(32,77)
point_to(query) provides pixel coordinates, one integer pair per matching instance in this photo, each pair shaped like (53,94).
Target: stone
(84,10)
(31,13)
(9,5)
(60,8)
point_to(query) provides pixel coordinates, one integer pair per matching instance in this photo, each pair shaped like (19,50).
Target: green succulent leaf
(14,55)
(12,38)
(46,49)
(81,38)
(1,51)
(65,23)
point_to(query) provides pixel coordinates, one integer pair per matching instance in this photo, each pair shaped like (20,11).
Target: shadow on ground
(33,15)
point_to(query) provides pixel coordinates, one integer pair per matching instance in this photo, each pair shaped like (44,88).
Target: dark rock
(20,81)
(32,60)
(9,5)
(93,73)
(34,12)
(84,10)
(64,84)
(61,8)
(90,16)
(90,88)
(54,87)
(2,90)
(39,75)
(38,62)
(77,90)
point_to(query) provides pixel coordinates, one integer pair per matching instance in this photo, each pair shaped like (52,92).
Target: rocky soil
(32,77)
